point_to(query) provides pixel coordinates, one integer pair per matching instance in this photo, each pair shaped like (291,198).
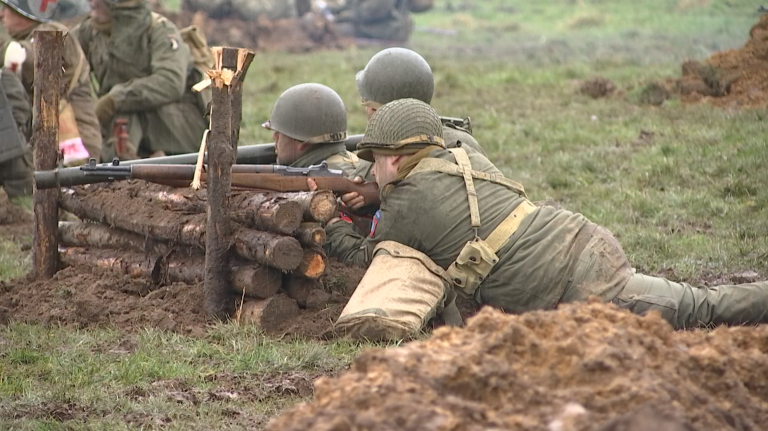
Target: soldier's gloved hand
(15,55)
(354,200)
(105,109)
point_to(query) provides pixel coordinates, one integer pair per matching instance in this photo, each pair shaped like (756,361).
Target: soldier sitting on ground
(495,246)
(374,19)
(16,169)
(145,73)
(76,111)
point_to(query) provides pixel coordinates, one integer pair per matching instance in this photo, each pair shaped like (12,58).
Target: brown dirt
(575,368)
(76,297)
(597,87)
(732,78)
(304,34)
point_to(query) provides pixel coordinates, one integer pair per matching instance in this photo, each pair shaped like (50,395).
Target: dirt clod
(597,87)
(583,365)
(732,78)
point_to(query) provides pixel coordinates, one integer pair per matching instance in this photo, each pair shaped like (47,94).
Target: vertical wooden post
(222,140)
(48,46)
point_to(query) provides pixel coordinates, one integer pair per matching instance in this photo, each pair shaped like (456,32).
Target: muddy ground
(582,367)
(79,298)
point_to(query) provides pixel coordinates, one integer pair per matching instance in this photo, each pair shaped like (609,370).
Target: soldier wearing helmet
(499,249)
(399,73)
(309,125)
(145,73)
(20,19)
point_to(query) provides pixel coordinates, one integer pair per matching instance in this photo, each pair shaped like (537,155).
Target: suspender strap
(465,168)
(508,227)
(446,167)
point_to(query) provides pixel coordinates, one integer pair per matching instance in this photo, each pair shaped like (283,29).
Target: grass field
(682,186)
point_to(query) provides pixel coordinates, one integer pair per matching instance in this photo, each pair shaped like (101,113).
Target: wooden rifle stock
(279,183)
(181,175)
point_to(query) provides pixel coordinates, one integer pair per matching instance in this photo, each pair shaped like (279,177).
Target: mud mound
(577,368)
(76,297)
(311,32)
(733,78)
(597,87)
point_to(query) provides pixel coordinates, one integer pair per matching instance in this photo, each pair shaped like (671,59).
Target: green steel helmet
(311,113)
(395,73)
(36,10)
(404,126)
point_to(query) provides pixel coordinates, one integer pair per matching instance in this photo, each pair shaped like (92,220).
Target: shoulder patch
(376,218)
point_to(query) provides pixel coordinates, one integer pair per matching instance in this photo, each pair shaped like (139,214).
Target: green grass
(682,186)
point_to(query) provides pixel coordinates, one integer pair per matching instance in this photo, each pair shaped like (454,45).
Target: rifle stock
(278,183)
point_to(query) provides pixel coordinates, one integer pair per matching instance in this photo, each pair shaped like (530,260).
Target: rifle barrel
(246,155)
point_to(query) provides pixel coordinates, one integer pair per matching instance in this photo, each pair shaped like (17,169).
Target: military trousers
(687,306)
(175,128)
(603,271)
(17,175)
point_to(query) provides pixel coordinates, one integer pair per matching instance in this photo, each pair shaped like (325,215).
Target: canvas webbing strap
(466,171)
(509,226)
(446,167)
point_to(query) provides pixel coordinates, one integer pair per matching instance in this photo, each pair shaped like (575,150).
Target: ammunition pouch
(472,266)
(401,291)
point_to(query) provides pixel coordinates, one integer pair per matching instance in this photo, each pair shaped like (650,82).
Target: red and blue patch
(376,218)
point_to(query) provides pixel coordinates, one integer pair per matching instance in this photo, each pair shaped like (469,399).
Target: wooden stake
(48,46)
(217,297)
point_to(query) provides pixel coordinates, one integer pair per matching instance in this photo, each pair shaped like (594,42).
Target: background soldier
(399,73)
(500,249)
(145,73)
(21,19)
(374,19)
(309,124)
(16,170)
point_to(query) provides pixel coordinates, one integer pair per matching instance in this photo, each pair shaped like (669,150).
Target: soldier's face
(369,111)
(13,21)
(288,150)
(99,11)
(385,168)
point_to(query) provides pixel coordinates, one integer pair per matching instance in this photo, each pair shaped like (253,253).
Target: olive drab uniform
(375,19)
(337,157)
(145,72)
(16,167)
(505,252)
(75,78)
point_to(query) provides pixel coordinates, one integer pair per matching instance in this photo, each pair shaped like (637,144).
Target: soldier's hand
(312,184)
(354,200)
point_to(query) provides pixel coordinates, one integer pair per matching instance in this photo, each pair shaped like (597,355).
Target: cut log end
(287,253)
(323,206)
(256,282)
(288,216)
(312,264)
(269,314)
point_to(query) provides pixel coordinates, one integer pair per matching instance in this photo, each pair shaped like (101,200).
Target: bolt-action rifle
(260,177)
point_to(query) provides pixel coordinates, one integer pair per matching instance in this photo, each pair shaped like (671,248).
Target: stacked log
(157,233)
